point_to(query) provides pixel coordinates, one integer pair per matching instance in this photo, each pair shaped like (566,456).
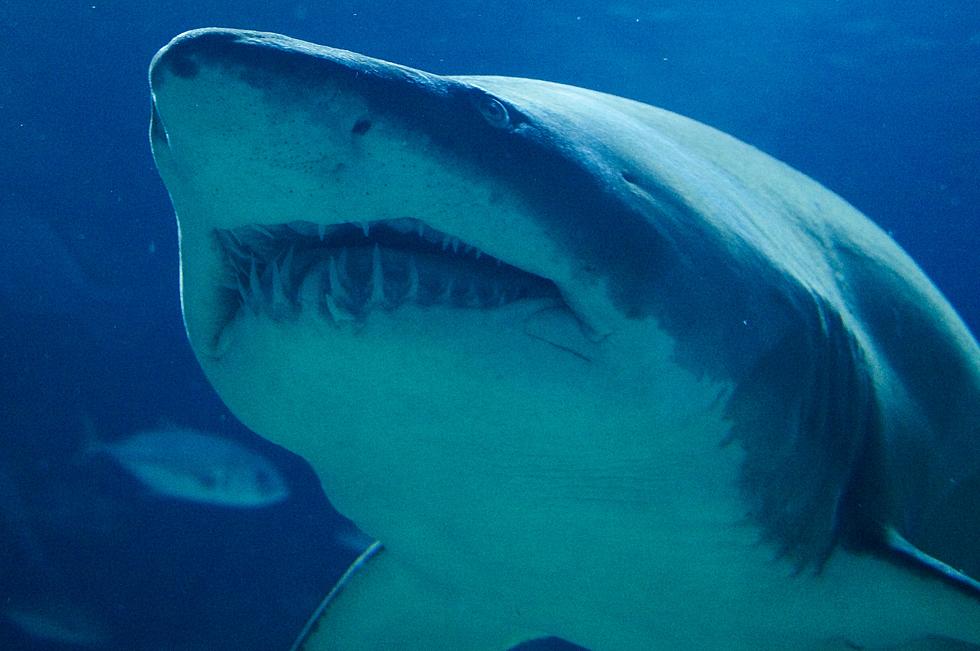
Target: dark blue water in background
(877,100)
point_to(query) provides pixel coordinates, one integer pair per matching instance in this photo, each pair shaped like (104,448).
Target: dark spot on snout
(361,127)
(184,67)
(182,58)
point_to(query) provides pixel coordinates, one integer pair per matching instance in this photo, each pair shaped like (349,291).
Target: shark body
(586,368)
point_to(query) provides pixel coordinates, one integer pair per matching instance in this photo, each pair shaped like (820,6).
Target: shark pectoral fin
(381,604)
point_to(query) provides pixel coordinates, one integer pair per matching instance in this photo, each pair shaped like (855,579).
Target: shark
(588,370)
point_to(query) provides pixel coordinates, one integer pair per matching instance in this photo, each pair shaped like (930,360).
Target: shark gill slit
(344,271)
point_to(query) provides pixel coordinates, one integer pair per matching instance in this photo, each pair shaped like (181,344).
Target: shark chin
(585,368)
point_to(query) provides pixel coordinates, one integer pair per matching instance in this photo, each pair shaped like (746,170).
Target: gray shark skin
(586,368)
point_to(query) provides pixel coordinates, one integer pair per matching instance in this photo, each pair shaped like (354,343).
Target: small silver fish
(198,467)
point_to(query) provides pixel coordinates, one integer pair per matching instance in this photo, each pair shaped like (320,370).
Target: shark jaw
(344,271)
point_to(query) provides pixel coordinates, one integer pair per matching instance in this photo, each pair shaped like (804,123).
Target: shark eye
(493,111)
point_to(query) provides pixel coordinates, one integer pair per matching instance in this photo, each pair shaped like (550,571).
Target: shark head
(335,145)
(519,327)
(403,262)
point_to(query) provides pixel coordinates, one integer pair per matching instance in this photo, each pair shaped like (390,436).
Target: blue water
(876,100)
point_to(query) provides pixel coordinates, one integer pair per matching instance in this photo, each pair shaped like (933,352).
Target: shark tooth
(333,274)
(337,313)
(377,278)
(413,280)
(254,288)
(278,303)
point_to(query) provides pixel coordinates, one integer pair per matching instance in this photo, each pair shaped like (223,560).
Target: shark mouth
(344,271)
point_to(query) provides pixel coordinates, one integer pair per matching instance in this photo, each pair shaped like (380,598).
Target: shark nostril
(361,127)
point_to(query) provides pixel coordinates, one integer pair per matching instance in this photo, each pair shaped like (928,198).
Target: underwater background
(879,101)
